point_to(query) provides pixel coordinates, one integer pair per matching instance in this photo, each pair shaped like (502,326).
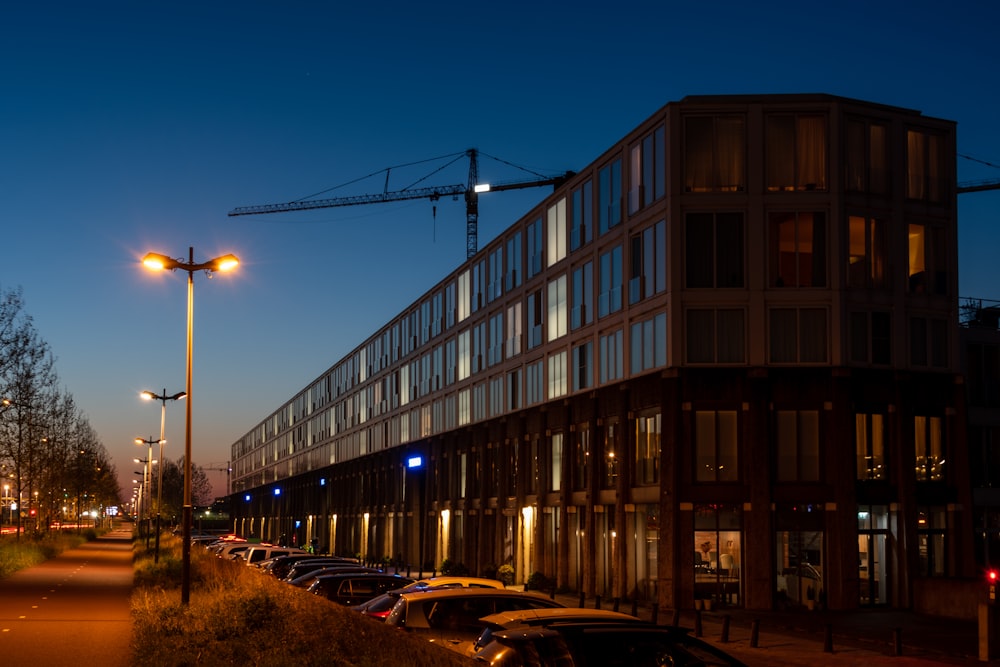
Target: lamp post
(157,262)
(148,479)
(163,398)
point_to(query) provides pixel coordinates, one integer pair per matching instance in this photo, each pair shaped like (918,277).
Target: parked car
(451,616)
(530,618)
(380,606)
(306,580)
(599,644)
(353,588)
(280,566)
(230,550)
(261,552)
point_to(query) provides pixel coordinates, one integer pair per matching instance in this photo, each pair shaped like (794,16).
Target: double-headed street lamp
(147,479)
(163,398)
(157,262)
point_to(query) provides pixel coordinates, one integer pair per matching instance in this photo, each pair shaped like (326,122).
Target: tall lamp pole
(148,480)
(157,262)
(163,398)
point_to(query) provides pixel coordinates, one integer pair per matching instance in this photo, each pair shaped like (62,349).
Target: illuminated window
(798,249)
(714,154)
(796,152)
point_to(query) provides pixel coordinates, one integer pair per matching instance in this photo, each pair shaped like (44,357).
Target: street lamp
(148,481)
(157,262)
(163,398)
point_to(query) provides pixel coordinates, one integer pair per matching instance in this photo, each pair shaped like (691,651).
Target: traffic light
(992,578)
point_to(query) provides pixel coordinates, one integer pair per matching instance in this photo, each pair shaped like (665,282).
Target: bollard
(597,602)
(552,594)
(583,598)
(677,618)
(697,623)
(754,633)
(828,639)
(897,641)
(725,629)
(616,601)
(408,572)
(654,613)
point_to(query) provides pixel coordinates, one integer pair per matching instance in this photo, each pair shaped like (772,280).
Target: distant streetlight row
(157,262)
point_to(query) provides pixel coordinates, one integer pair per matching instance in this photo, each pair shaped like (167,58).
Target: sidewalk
(860,637)
(72,609)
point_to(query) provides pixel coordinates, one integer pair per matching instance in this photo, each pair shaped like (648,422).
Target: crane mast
(470,190)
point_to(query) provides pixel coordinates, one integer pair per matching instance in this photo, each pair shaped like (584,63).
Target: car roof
(509,619)
(445,593)
(471,582)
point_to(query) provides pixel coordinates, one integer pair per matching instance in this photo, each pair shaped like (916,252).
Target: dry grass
(237,616)
(17,554)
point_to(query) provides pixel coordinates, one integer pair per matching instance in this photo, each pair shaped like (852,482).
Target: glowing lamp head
(992,576)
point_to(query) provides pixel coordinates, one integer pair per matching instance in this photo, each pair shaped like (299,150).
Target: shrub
(505,573)
(452,569)
(539,582)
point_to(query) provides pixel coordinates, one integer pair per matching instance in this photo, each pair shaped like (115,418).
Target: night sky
(129,127)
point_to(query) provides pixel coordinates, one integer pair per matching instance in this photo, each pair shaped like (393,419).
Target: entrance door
(872,574)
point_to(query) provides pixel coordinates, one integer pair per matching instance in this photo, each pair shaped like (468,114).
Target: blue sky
(128,127)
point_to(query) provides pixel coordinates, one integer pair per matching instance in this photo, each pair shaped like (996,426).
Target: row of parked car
(482,619)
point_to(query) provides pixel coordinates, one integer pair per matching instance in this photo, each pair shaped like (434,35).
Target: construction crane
(469,190)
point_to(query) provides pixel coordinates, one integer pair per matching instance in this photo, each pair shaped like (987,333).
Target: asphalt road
(71,610)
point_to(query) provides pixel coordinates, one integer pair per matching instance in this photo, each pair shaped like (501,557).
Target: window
(583,359)
(866,254)
(647,448)
(866,158)
(983,374)
(925,166)
(555,461)
(714,154)
(535,253)
(514,390)
(869,439)
(555,224)
(798,335)
(497,340)
(796,152)
(609,196)
(477,297)
(464,355)
(871,339)
(494,288)
(583,296)
(479,345)
(647,167)
(558,317)
(581,458)
(582,228)
(648,344)
(716,336)
(609,299)
(928,259)
(609,462)
(716,446)
(928,445)
(496,396)
(535,315)
(798,249)
(451,361)
(451,305)
(714,249)
(610,351)
(558,375)
(534,390)
(797,446)
(648,263)
(932,532)
(514,260)
(928,342)
(512,341)
(464,295)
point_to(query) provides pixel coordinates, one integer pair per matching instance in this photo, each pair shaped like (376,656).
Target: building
(721,361)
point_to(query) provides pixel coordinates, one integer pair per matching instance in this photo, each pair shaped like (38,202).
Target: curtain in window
(811,153)
(731,154)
